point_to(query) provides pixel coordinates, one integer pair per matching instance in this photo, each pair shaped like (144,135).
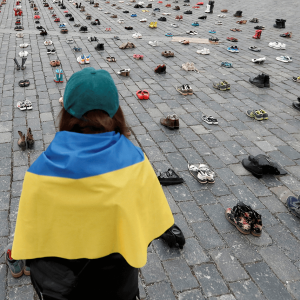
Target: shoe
(226,64)
(255,114)
(29,138)
(17,64)
(254,48)
(16,267)
(258,81)
(174,237)
(259,60)
(169,122)
(220,86)
(260,27)
(154,43)
(240,217)
(160,69)
(296,105)
(137,35)
(264,114)
(257,34)
(286,35)
(199,175)
(185,90)
(285,59)
(207,8)
(188,12)
(169,178)
(57,76)
(233,49)
(195,24)
(124,72)
(22,141)
(279,23)
(238,14)
(210,120)
(202,18)
(162,19)
(277,45)
(296,79)
(254,20)
(212,31)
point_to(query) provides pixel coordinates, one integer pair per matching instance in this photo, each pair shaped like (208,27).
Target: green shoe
(16,267)
(255,114)
(265,114)
(220,86)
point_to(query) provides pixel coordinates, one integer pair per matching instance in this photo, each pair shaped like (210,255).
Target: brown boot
(169,121)
(29,139)
(21,141)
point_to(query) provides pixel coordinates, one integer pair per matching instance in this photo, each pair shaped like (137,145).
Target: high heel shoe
(21,141)
(29,138)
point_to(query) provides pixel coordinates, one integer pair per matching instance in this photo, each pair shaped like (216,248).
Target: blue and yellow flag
(87,196)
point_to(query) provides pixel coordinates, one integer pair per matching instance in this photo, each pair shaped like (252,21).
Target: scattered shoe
(169,178)
(293,205)
(262,80)
(171,122)
(210,120)
(259,61)
(285,59)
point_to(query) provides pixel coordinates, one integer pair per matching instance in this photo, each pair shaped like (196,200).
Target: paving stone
(280,264)
(161,291)
(192,212)
(243,194)
(180,192)
(267,281)
(294,289)
(223,297)
(210,280)
(291,222)
(246,290)
(204,197)
(180,275)
(282,193)
(153,271)
(207,235)
(193,252)
(164,251)
(142,290)
(3,281)
(273,204)
(21,292)
(228,177)
(181,223)
(228,265)
(191,295)
(289,152)
(256,186)
(217,214)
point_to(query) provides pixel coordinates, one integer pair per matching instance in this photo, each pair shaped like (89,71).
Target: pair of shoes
(138,56)
(143,95)
(210,120)
(124,72)
(202,173)
(55,63)
(92,39)
(169,178)
(23,53)
(203,51)
(226,64)
(137,35)
(82,59)
(293,205)
(185,90)
(29,141)
(257,114)
(257,34)
(233,49)
(279,23)
(169,34)
(99,47)
(222,85)
(277,45)
(153,44)
(262,80)
(171,121)
(153,25)
(22,67)
(24,105)
(254,20)
(285,58)
(160,69)
(83,29)
(231,39)
(58,76)
(17,267)
(245,219)
(167,54)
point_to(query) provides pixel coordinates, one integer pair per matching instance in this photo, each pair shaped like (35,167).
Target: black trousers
(107,278)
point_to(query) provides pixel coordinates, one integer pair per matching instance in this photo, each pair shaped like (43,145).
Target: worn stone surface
(196,271)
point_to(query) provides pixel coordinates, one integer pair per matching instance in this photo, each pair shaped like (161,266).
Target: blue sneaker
(62,25)
(57,76)
(212,31)
(169,34)
(195,24)
(293,205)
(156,9)
(133,15)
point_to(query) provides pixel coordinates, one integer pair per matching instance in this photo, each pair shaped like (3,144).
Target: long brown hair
(94,121)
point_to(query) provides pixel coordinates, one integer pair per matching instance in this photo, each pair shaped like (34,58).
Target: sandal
(167,54)
(184,42)
(124,72)
(232,39)
(24,83)
(110,59)
(138,56)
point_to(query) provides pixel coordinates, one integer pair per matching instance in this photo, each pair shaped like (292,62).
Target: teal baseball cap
(91,89)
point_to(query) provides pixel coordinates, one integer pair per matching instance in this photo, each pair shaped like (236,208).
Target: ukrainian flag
(87,196)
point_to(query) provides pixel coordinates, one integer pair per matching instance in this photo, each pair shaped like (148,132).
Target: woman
(91,203)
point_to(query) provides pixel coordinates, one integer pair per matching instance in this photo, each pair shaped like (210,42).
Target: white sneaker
(207,8)
(203,51)
(285,59)
(48,43)
(23,54)
(24,45)
(258,60)
(19,35)
(121,21)
(219,23)
(222,16)
(87,59)
(154,43)
(81,59)
(166,14)
(174,25)
(137,35)
(143,20)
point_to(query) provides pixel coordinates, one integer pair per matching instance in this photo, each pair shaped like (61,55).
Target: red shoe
(196,7)
(54,15)
(57,20)
(140,94)
(180,17)
(146,94)
(257,34)
(200,3)
(168,5)
(159,2)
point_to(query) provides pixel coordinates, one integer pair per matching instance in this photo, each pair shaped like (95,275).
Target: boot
(258,81)
(149,5)
(99,47)
(174,237)
(207,8)
(238,14)
(278,23)
(176,123)
(212,4)
(296,105)
(21,141)
(61,77)
(283,23)
(18,66)
(29,138)
(23,63)
(257,34)
(266,80)
(77,5)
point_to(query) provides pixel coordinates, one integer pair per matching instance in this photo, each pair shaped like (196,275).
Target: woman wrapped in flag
(91,203)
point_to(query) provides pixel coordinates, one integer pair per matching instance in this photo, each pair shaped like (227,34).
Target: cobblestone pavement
(217,262)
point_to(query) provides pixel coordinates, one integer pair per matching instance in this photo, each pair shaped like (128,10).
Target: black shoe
(259,27)
(283,23)
(136,6)
(188,12)
(71,19)
(202,17)
(149,5)
(258,81)
(169,178)
(238,14)
(99,47)
(296,105)
(83,29)
(174,237)
(279,23)
(211,6)
(125,11)
(267,80)
(162,19)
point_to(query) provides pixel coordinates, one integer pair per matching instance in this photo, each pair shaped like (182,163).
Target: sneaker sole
(237,227)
